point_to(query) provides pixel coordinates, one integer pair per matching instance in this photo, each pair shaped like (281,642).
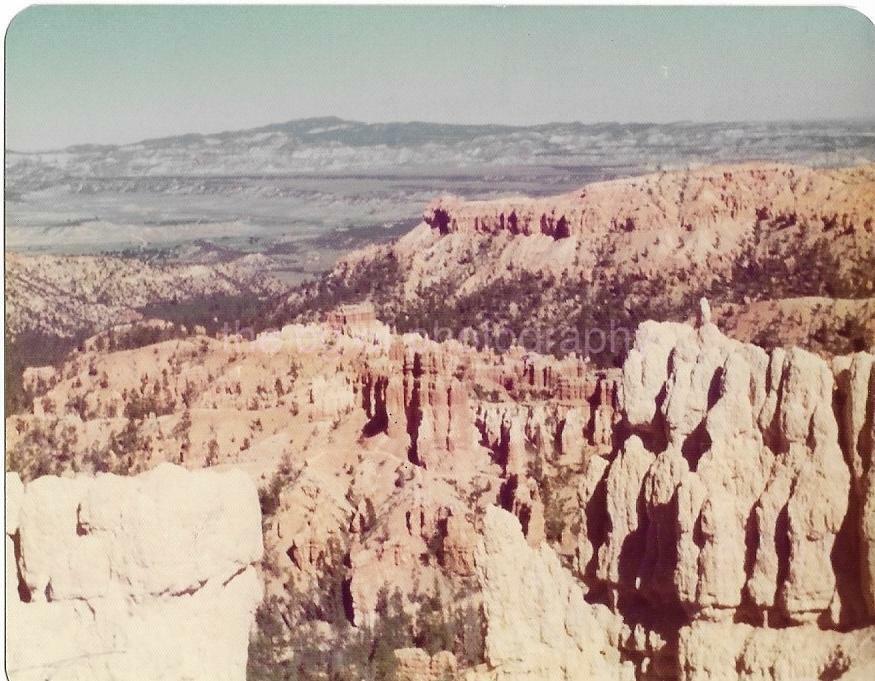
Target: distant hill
(330,144)
(611,254)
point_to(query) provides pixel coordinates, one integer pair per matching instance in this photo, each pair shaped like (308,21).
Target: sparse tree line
(307,634)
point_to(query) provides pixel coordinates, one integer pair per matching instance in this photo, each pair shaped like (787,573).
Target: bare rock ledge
(148,577)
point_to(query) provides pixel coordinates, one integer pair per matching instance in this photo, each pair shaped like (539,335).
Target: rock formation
(579,271)
(698,198)
(734,447)
(539,624)
(615,523)
(730,534)
(146,577)
(420,395)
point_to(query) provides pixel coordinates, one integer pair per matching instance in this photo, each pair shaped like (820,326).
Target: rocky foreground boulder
(146,577)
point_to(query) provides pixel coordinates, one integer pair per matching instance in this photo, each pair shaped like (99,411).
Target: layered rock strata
(667,200)
(786,252)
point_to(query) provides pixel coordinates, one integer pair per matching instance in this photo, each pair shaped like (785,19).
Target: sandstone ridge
(620,252)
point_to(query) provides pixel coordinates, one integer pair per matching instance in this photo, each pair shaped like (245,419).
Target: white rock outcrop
(730,533)
(149,577)
(731,491)
(538,624)
(710,651)
(855,381)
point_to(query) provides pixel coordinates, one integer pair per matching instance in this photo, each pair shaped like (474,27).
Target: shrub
(269,495)
(286,647)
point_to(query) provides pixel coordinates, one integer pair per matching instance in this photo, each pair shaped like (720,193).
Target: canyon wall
(730,533)
(668,200)
(704,512)
(785,253)
(146,577)
(433,394)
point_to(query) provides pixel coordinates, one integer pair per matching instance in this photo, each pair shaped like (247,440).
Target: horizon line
(505,126)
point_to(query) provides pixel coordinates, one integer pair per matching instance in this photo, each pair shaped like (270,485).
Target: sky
(117,74)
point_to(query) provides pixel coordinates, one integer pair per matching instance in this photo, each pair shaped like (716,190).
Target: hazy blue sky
(119,74)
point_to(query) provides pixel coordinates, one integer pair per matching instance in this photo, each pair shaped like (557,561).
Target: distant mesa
(353,316)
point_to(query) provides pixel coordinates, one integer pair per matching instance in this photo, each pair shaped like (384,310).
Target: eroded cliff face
(730,533)
(786,253)
(743,487)
(146,577)
(668,200)
(708,496)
